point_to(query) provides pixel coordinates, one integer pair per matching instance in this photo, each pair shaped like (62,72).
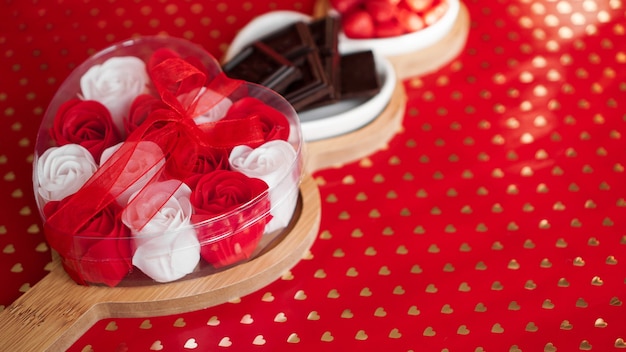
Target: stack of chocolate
(302,63)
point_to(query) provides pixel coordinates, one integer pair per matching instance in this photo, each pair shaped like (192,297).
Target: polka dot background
(494,221)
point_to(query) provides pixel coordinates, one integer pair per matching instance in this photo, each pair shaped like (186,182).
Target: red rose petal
(234,236)
(87,123)
(274,123)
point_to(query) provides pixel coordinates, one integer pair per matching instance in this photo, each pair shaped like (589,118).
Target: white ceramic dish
(331,120)
(405,43)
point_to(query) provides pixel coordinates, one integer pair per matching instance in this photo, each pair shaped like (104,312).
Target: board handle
(48,317)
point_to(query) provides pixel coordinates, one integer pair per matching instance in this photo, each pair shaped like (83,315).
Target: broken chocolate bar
(295,42)
(302,62)
(358,79)
(260,64)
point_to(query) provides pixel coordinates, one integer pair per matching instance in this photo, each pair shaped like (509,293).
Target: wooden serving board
(55,312)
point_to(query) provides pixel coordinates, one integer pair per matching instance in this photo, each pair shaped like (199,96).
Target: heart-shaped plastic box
(152,166)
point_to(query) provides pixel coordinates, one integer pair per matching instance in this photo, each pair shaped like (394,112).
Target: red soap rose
(229,238)
(99,253)
(192,161)
(141,107)
(87,123)
(209,159)
(274,124)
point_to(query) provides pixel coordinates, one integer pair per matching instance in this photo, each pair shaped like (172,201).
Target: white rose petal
(159,216)
(147,159)
(218,111)
(161,207)
(115,83)
(169,256)
(61,171)
(174,214)
(272,163)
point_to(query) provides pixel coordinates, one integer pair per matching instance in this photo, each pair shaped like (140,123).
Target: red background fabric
(494,221)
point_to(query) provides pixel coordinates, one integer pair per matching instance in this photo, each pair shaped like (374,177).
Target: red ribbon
(173,78)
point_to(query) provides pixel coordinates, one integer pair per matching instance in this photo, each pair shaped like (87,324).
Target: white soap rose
(61,171)
(159,216)
(170,257)
(219,106)
(159,207)
(115,83)
(271,162)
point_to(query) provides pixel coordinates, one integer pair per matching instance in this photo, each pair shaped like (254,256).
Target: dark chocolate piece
(358,75)
(325,33)
(292,41)
(331,68)
(313,86)
(309,49)
(260,64)
(296,43)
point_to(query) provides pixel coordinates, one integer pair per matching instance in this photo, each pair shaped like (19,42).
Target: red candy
(345,6)
(365,19)
(410,21)
(388,29)
(381,10)
(358,24)
(419,5)
(435,13)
